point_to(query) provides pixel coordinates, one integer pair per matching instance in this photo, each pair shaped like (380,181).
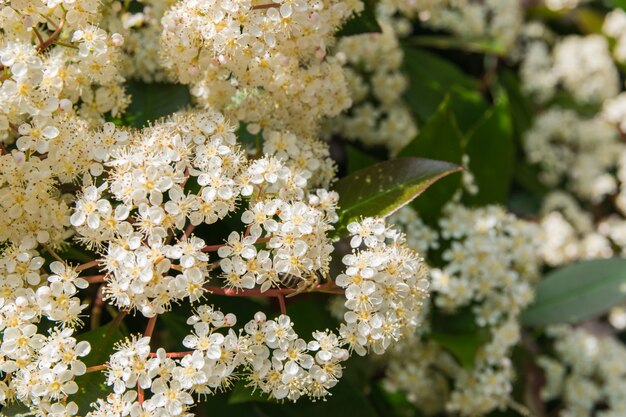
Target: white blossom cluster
(490,263)
(262,63)
(385,285)
(132,211)
(378,116)
(58,77)
(140,56)
(573,152)
(586,373)
(39,369)
(498,21)
(581,66)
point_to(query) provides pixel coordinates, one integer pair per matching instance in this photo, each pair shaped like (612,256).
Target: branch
(264,6)
(87,265)
(150,326)
(43,46)
(256,292)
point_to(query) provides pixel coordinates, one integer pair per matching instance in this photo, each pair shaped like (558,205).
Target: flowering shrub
(294,207)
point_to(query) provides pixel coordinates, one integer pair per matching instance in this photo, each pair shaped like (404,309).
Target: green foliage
(151,102)
(491,154)
(92,385)
(459,335)
(383,188)
(577,292)
(365,22)
(439,139)
(432,79)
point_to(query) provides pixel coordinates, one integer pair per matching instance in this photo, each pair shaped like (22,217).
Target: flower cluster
(585,372)
(499,21)
(582,153)
(378,116)
(581,66)
(264,64)
(489,262)
(385,285)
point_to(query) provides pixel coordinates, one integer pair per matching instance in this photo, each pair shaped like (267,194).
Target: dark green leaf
(439,139)
(519,105)
(463,346)
(92,385)
(432,79)
(482,46)
(153,101)
(491,154)
(364,22)
(381,189)
(358,159)
(577,292)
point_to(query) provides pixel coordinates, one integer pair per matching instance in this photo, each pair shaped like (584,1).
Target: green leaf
(358,159)
(463,346)
(577,292)
(439,139)
(151,102)
(381,189)
(459,334)
(92,385)
(16,410)
(432,79)
(491,151)
(519,106)
(482,46)
(589,21)
(364,22)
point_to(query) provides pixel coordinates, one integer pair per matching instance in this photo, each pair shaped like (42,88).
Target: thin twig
(41,41)
(324,288)
(189,230)
(95,279)
(96,368)
(173,354)
(43,46)
(53,253)
(264,6)
(150,326)
(96,311)
(87,265)
(281,303)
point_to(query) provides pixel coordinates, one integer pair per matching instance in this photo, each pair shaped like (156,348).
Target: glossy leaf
(577,292)
(432,79)
(491,152)
(439,139)
(381,189)
(484,46)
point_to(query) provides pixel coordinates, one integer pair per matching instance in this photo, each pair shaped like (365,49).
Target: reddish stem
(88,265)
(264,6)
(140,395)
(95,279)
(43,46)
(96,368)
(214,248)
(330,288)
(281,303)
(174,354)
(189,230)
(150,326)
